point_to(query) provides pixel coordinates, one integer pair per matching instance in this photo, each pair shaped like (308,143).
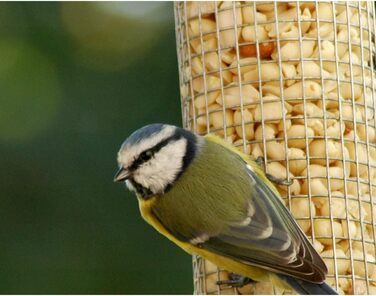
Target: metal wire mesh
(293,82)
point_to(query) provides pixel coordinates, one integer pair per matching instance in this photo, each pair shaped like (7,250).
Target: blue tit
(214,201)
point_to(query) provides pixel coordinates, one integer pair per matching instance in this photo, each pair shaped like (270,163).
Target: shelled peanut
(277,90)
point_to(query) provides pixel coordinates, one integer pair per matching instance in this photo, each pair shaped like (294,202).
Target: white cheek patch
(163,168)
(128,155)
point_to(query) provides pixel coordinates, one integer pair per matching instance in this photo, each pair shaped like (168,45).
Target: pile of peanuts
(294,84)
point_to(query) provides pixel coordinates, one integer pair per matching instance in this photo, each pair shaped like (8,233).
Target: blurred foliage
(76,79)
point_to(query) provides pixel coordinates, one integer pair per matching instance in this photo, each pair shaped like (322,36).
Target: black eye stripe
(143,157)
(148,154)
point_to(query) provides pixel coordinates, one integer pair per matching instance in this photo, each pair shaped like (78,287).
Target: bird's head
(153,157)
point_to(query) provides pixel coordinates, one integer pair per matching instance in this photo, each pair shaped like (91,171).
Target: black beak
(121,175)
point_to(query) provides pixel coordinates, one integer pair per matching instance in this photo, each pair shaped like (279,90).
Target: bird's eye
(146,155)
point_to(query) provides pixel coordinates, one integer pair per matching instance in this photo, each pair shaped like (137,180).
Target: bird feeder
(293,82)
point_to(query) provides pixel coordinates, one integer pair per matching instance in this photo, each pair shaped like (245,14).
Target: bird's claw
(235,281)
(260,162)
(279,181)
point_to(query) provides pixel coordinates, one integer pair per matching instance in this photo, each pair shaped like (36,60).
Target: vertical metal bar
(362,225)
(371,30)
(302,79)
(223,106)
(234,12)
(326,142)
(281,97)
(239,72)
(343,147)
(179,56)
(190,67)
(354,125)
(281,88)
(203,69)
(261,101)
(221,73)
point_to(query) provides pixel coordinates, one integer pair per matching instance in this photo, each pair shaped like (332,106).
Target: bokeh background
(75,80)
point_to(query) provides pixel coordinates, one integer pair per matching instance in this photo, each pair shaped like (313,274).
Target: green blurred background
(76,79)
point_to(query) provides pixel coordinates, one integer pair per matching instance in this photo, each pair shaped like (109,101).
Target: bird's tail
(307,288)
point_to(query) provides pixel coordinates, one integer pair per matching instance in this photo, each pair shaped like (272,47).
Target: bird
(216,202)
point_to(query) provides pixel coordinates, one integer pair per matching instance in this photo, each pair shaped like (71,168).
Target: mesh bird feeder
(293,82)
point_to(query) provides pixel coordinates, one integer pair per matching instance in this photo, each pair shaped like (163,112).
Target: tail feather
(307,288)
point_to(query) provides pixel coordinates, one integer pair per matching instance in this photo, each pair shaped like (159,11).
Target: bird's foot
(235,280)
(261,163)
(278,181)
